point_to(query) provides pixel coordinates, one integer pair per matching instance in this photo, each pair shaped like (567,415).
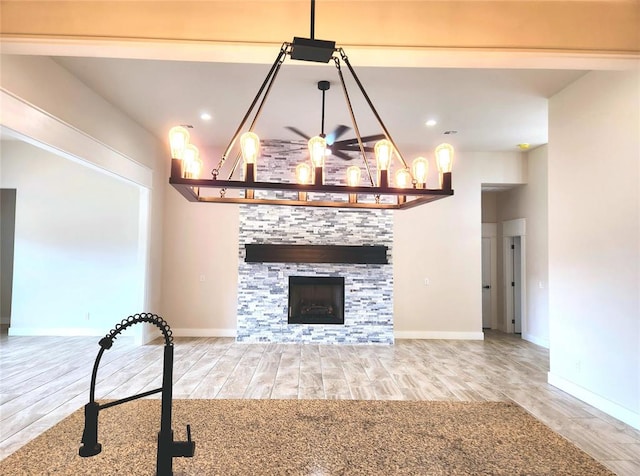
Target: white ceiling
(492,109)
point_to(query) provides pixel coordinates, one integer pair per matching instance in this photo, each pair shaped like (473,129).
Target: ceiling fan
(338,147)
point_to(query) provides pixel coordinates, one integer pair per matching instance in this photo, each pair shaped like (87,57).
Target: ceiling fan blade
(337,133)
(298,131)
(373,137)
(355,148)
(342,155)
(296,149)
(364,139)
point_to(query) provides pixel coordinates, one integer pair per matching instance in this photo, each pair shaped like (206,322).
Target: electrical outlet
(88,316)
(202,278)
(426,281)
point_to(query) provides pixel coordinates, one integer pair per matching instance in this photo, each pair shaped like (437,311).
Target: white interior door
(486,283)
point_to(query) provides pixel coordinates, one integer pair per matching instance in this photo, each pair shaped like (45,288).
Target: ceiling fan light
(444,158)
(420,168)
(317,147)
(178,140)
(384,153)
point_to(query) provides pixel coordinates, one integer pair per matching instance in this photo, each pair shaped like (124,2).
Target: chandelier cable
(356,129)
(261,105)
(344,57)
(282,54)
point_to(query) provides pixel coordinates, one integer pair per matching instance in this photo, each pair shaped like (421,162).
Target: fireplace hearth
(316,300)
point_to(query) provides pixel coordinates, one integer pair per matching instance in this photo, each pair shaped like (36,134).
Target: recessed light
(205,116)
(431,123)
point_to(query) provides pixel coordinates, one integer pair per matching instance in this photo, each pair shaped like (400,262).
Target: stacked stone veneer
(263,288)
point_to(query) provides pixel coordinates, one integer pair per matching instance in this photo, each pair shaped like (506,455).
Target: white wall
(200,259)
(76,267)
(594,241)
(490,207)
(43,101)
(441,241)
(530,202)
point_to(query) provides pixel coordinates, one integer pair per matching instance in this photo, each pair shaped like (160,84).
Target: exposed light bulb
(317,150)
(353,176)
(384,154)
(403,178)
(178,140)
(420,168)
(250,145)
(190,158)
(303,173)
(444,158)
(196,168)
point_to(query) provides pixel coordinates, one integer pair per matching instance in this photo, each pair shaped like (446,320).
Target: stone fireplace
(263,287)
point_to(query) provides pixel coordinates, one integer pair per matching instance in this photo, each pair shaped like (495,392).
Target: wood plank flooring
(44,379)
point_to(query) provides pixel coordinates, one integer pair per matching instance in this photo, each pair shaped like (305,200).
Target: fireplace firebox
(316,300)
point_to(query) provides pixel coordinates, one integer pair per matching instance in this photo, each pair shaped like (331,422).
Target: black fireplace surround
(316,300)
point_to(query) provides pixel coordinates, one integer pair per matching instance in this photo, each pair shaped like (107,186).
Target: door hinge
(513,283)
(513,247)
(513,321)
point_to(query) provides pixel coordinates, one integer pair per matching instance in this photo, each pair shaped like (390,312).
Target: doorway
(7,239)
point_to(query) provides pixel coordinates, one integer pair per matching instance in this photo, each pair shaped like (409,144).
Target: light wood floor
(44,379)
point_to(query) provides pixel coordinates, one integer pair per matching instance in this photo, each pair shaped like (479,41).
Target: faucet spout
(90,445)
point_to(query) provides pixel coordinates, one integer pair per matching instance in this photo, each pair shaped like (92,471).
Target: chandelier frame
(320,51)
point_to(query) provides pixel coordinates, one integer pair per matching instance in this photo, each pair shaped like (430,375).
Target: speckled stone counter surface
(312,437)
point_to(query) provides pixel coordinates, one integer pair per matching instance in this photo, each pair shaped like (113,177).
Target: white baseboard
(188,332)
(56,331)
(610,408)
(536,340)
(439,335)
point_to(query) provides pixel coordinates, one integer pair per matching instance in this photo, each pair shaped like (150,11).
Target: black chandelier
(407,189)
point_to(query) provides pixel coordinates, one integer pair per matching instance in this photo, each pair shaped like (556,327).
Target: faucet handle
(184,449)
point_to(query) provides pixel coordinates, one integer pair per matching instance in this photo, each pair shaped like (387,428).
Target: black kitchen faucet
(167,448)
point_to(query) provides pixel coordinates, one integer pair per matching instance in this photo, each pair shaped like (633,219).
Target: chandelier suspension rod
(313,19)
(373,109)
(283,51)
(322,134)
(260,106)
(353,120)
